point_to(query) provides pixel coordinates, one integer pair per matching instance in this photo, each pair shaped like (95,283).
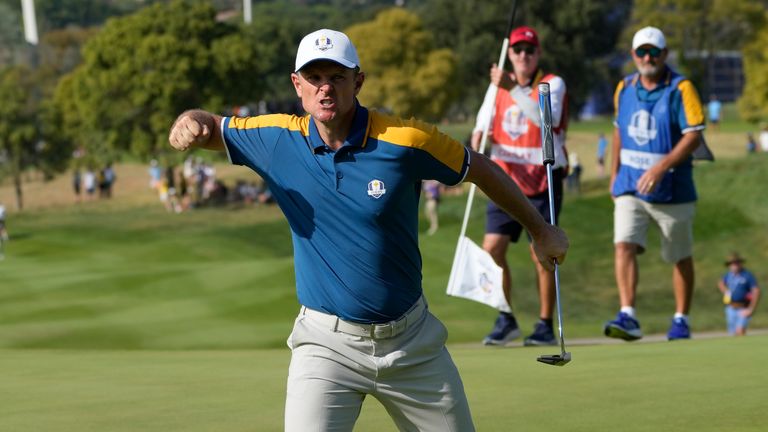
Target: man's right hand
(501,79)
(550,244)
(188,133)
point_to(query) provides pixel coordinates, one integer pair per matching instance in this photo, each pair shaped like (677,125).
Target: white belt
(374,331)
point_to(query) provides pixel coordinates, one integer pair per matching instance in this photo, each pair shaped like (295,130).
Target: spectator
(89,183)
(183,191)
(77,183)
(714,108)
(432,189)
(109,180)
(740,295)
(174,203)
(101,183)
(602,145)
(155,174)
(574,177)
(3,232)
(751,144)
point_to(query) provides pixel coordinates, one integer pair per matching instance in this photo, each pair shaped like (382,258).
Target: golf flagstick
(548,155)
(490,96)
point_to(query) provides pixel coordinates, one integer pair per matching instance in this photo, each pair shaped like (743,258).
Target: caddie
(515,135)
(658,124)
(348,180)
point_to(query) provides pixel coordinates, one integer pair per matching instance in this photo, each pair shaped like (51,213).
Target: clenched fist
(188,132)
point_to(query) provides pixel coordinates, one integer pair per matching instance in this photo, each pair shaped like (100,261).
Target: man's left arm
(549,242)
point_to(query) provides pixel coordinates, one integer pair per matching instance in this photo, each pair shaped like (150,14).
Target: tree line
(110,76)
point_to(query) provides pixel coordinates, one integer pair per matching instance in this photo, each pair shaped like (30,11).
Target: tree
(11,33)
(753,104)
(18,144)
(578,38)
(694,27)
(140,71)
(404,74)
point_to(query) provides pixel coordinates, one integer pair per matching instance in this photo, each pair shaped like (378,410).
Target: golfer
(659,119)
(516,148)
(348,180)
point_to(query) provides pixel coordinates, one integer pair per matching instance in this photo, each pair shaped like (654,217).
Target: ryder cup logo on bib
(376,188)
(514,122)
(323,43)
(642,127)
(485,283)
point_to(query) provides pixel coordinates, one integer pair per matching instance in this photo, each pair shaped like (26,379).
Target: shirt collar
(358,133)
(537,76)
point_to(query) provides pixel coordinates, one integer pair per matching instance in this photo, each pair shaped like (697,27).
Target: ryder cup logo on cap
(323,43)
(326,44)
(649,36)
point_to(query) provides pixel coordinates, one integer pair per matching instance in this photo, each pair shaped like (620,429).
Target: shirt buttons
(339,175)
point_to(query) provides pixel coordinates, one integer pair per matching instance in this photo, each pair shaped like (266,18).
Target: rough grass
(123,275)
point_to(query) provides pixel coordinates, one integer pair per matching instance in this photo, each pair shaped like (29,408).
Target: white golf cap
(326,44)
(649,36)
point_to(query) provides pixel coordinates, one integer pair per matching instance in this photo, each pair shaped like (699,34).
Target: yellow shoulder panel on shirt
(416,134)
(616,94)
(285,121)
(694,113)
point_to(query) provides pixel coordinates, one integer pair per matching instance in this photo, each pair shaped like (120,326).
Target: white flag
(476,276)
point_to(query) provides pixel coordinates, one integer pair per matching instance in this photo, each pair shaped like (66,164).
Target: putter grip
(547,140)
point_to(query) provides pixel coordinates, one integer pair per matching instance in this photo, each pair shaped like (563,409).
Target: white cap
(326,45)
(649,36)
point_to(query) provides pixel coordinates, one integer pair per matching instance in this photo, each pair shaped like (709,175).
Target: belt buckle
(383,331)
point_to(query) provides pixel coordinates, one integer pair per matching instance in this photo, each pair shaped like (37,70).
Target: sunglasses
(528,49)
(653,51)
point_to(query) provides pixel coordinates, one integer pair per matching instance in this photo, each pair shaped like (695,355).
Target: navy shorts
(497,221)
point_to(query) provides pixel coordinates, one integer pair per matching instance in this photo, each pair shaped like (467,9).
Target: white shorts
(411,374)
(632,216)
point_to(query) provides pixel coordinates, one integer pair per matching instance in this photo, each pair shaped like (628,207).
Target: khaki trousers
(411,374)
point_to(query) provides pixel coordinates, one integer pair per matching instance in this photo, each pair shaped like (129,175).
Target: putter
(548,153)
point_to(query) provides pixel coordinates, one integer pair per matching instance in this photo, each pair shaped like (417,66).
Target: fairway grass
(698,385)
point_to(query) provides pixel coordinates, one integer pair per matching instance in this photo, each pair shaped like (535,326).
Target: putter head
(555,359)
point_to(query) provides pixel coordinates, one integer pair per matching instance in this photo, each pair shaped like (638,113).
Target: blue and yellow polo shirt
(353,212)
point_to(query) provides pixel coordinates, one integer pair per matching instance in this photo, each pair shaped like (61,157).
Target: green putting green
(697,385)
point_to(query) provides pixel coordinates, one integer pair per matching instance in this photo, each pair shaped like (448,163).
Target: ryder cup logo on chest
(323,43)
(376,188)
(514,122)
(642,127)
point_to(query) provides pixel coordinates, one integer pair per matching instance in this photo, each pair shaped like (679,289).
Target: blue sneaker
(679,330)
(504,330)
(543,334)
(623,327)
